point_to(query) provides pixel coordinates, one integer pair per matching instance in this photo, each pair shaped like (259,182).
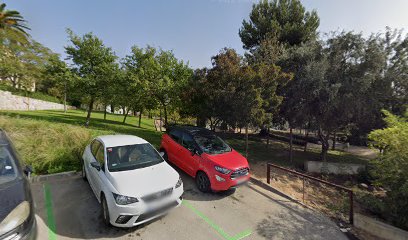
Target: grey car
(17,217)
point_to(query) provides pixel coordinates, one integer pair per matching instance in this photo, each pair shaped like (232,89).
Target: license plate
(242,180)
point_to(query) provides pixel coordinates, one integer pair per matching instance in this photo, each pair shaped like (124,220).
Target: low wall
(379,229)
(334,168)
(9,101)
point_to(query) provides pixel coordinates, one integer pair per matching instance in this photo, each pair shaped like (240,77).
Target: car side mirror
(28,170)
(96,165)
(194,151)
(161,154)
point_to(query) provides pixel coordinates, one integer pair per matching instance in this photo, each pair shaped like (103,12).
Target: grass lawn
(52,141)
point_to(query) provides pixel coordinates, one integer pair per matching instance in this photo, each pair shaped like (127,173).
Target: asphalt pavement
(66,208)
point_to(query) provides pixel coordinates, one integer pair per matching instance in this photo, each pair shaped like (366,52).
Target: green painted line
(241,235)
(218,229)
(50,215)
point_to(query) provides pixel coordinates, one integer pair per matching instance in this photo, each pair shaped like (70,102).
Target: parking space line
(218,229)
(50,214)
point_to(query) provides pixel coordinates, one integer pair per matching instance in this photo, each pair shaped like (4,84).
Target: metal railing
(303,176)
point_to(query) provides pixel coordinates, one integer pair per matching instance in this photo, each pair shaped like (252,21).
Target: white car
(130,179)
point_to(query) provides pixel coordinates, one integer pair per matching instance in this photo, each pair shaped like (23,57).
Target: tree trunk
(65,102)
(246,141)
(104,112)
(160,123)
(165,115)
(290,144)
(112,108)
(267,137)
(126,114)
(334,141)
(88,116)
(140,117)
(306,135)
(325,144)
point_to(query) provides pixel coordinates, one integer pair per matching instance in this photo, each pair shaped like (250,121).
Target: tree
(139,67)
(59,78)
(22,64)
(95,65)
(287,20)
(233,92)
(12,21)
(164,76)
(391,167)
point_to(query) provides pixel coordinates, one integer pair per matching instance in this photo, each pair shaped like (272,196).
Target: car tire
(203,182)
(165,156)
(105,211)
(83,173)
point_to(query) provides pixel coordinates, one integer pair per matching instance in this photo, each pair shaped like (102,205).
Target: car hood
(144,181)
(231,160)
(12,194)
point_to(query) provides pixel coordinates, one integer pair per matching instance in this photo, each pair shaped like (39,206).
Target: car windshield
(131,157)
(7,166)
(212,144)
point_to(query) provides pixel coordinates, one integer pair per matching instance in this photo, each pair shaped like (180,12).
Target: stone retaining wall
(335,168)
(8,101)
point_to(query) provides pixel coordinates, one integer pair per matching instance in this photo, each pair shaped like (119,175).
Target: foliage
(11,20)
(286,20)
(158,74)
(235,92)
(391,168)
(58,79)
(22,64)
(95,65)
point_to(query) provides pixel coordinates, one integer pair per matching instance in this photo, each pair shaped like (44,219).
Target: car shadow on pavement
(191,191)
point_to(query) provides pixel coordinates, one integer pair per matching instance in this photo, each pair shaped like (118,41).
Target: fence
(313,179)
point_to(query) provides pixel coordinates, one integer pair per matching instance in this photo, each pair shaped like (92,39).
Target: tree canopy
(286,20)
(94,63)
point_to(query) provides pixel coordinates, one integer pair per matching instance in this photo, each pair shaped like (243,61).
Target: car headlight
(222,170)
(179,182)
(15,218)
(124,200)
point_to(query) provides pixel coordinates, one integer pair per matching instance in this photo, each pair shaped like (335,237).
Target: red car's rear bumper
(217,185)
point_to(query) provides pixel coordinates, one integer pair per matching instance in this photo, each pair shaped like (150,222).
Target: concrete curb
(49,177)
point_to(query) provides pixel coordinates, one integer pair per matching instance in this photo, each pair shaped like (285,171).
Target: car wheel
(84,172)
(203,182)
(105,211)
(165,157)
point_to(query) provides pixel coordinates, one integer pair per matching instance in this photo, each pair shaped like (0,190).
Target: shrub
(391,168)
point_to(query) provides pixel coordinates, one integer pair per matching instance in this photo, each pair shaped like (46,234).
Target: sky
(194,30)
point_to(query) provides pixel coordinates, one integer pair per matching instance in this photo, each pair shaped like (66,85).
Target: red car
(204,156)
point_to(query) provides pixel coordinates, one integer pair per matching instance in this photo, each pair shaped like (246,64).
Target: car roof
(193,130)
(120,140)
